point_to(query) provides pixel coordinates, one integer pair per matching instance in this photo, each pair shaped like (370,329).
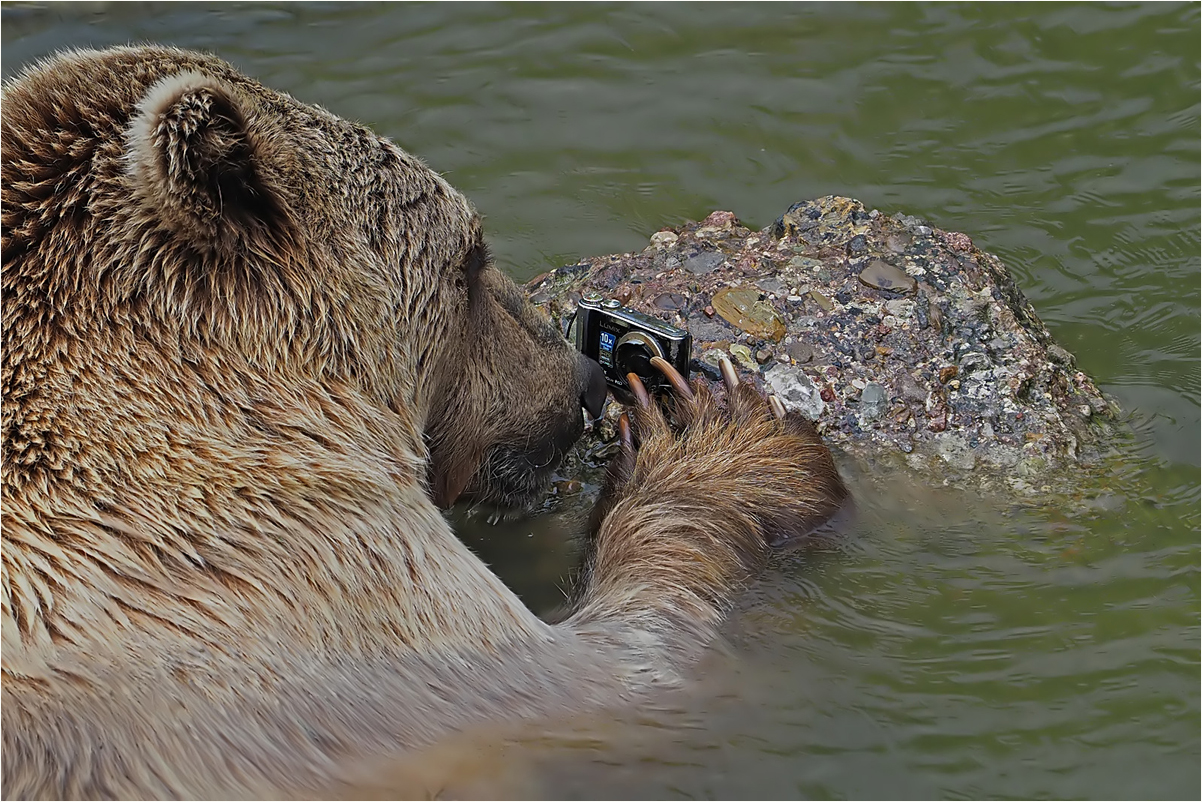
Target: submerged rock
(905,343)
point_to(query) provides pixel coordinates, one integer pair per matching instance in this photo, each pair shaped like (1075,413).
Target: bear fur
(249,350)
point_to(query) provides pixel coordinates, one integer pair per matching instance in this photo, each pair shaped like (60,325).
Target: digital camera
(623,341)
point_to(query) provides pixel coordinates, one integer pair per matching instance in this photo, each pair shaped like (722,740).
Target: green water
(952,649)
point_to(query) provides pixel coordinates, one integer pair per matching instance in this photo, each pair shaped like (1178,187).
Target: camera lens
(634,352)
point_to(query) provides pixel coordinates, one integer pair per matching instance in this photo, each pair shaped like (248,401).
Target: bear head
(231,225)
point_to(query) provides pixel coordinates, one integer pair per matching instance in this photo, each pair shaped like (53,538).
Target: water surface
(956,647)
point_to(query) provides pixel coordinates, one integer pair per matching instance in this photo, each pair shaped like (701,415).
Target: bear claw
(673,376)
(625,434)
(728,374)
(778,409)
(638,390)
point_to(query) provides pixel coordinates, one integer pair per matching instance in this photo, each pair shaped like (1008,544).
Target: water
(953,648)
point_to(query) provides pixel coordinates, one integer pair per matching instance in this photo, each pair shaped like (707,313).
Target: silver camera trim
(639,338)
(671,343)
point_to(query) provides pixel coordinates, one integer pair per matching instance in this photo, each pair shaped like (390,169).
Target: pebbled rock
(907,344)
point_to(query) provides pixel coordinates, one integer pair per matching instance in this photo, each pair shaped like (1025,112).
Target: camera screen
(605,354)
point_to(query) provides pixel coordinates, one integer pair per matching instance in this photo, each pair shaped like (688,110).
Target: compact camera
(624,341)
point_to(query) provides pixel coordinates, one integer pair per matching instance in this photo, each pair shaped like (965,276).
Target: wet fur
(246,347)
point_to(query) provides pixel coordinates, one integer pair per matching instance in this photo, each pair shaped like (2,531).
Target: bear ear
(195,160)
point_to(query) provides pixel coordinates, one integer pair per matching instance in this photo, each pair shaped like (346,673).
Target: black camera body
(623,341)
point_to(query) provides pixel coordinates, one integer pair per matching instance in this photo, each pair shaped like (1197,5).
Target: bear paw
(752,459)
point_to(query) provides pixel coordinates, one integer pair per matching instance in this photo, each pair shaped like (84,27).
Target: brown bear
(249,350)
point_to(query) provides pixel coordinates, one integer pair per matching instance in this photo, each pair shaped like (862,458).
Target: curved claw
(728,374)
(778,409)
(673,376)
(625,435)
(640,392)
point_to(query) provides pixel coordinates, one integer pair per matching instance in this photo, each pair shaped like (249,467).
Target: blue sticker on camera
(606,354)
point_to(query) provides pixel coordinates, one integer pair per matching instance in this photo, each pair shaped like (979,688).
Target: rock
(804,263)
(972,361)
(713,357)
(743,309)
(773,286)
(910,390)
(720,220)
(669,301)
(742,355)
(709,329)
(897,242)
(873,401)
(1061,356)
(799,352)
(663,239)
(825,303)
(704,262)
(900,308)
(883,276)
(957,241)
(953,450)
(796,390)
(881,309)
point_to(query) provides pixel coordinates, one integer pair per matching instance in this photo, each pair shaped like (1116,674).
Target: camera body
(623,341)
